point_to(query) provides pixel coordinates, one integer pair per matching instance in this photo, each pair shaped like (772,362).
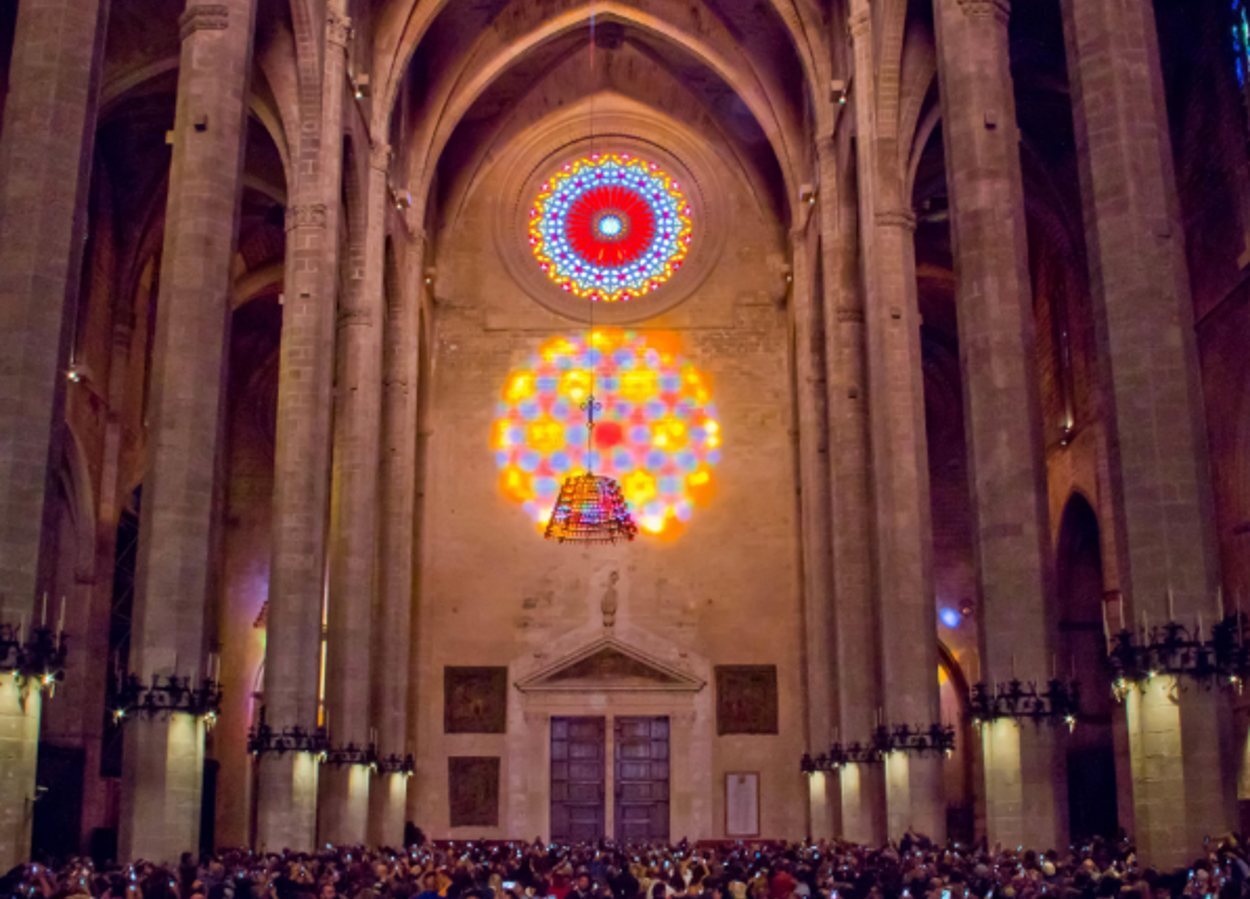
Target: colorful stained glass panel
(610,227)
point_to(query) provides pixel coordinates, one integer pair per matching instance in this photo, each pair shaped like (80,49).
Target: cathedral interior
(628,419)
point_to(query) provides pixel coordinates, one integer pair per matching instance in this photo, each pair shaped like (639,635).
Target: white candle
(60,623)
(43,620)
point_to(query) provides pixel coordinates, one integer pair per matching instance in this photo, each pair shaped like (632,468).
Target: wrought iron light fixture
(350,754)
(935,739)
(36,659)
(165,695)
(1059,702)
(264,740)
(1172,648)
(396,764)
(590,508)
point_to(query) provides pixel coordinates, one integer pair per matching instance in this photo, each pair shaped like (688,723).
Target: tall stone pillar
(907,625)
(354,513)
(287,783)
(1161,512)
(813,436)
(397,473)
(858,689)
(45,173)
(1024,776)
(163,766)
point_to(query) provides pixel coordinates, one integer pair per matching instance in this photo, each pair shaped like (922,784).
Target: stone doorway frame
(673,687)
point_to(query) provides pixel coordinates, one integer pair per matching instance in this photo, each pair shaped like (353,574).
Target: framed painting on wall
(475,699)
(742,804)
(746,699)
(473,790)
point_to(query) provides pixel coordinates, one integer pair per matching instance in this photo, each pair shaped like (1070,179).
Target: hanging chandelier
(590,508)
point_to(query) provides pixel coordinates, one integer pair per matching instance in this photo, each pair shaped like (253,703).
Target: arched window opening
(1092,798)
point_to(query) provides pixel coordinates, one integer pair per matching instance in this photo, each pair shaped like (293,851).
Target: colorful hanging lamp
(590,508)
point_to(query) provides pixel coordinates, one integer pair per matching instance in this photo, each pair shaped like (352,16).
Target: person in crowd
(914,867)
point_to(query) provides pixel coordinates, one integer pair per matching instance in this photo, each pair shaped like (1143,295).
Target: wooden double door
(639,783)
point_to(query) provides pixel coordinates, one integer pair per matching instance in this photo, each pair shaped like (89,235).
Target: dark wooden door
(641,784)
(577,779)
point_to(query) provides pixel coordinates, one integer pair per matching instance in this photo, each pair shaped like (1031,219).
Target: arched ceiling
(625,73)
(449,73)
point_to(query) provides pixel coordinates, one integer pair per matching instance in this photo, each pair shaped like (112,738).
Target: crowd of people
(913,868)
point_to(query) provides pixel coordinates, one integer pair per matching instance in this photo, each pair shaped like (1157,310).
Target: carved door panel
(577,779)
(641,779)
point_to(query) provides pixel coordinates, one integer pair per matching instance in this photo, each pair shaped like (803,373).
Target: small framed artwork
(742,804)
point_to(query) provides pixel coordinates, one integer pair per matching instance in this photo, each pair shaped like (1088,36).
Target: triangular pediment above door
(609,664)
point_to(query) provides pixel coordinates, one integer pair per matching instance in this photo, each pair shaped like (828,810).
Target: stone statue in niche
(746,699)
(473,790)
(475,700)
(608,604)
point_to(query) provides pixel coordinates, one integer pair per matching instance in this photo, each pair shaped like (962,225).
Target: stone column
(45,173)
(813,458)
(397,501)
(907,625)
(858,690)
(163,764)
(354,512)
(287,784)
(1160,483)
(1024,777)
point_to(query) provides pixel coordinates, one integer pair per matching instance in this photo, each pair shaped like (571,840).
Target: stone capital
(980,9)
(380,156)
(338,29)
(414,222)
(896,218)
(826,149)
(312,215)
(859,22)
(850,314)
(203,17)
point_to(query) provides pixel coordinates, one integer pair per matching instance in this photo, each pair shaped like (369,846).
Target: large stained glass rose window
(610,227)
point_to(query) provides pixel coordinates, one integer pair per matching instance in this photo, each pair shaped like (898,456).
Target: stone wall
(724,591)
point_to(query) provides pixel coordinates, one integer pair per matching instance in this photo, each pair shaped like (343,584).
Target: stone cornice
(203,17)
(312,215)
(980,9)
(896,218)
(354,318)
